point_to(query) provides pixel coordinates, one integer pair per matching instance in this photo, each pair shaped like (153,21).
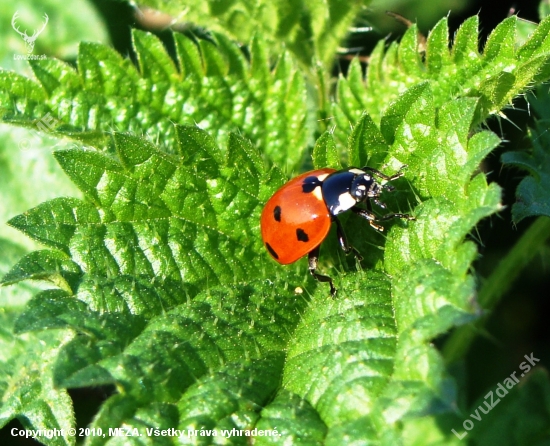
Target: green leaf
(538,43)
(500,43)
(428,255)
(498,74)
(24,160)
(19,95)
(29,392)
(532,197)
(216,88)
(188,357)
(367,144)
(325,154)
(528,402)
(465,46)
(13,298)
(53,266)
(144,426)
(355,338)
(292,418)
(130,275)
(155,65)
(157,225)
(53,223)
(532,193)
(437,47)
(212,402)
(411,104)
(407,54)
(311,30)
(164,290)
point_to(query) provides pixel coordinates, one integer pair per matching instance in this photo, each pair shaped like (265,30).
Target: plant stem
(497,284)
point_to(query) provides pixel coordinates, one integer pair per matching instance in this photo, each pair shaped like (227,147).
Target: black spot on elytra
(277,213)
(271,251)
(310,183)
(301,235)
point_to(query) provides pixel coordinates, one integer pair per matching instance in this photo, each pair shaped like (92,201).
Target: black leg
(344,241)
(373,219)
(369,216)
(378,202)
(390,216)
(313,259)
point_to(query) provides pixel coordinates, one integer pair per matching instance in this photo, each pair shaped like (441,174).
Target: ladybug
(297,218)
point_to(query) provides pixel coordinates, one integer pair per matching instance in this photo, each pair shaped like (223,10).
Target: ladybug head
(365,186)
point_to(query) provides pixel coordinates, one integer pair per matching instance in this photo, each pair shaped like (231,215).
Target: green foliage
(159,281)
(27,383)
(310,29)
(215,88)
(65,28)
(497,75)
(530,402)
(532,193)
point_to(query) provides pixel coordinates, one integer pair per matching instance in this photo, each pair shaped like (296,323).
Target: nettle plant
(160,286)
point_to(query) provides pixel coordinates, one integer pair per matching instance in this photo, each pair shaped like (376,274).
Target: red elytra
(293,224)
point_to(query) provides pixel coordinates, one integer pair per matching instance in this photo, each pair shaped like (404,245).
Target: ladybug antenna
(388,178)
